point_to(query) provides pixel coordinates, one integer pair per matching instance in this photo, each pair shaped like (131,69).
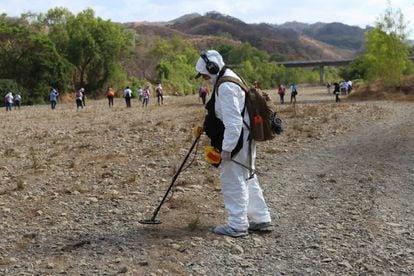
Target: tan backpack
(264,123)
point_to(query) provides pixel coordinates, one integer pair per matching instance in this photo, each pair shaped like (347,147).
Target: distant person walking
(349,86)
(293,93)
(17,101)
(202,93)
(8,101)
(140,92)
(83,96)
(110,94)
(146,96)
(343,86)
(328,87)
(78,98)
(53,97)
(127,96)
(159,93)
(336,92)
(281,91)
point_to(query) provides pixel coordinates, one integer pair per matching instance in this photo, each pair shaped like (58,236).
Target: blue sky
(352,12)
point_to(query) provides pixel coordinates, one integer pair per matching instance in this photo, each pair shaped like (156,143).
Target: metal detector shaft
(253,171)
(174,178)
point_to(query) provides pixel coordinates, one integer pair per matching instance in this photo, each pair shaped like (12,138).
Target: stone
(237,249)
(123,269)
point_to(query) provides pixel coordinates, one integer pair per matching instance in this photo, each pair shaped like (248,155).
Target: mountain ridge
(293,40)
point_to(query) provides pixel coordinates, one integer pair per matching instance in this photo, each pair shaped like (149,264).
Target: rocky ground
(339,183)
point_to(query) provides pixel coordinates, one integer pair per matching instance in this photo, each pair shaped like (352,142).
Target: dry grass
(20,184)
(113,195)
(8,152)
(300,111)
(379,91)
(82,188)
(72,164)
(194,224)
(33,157)
(131,179)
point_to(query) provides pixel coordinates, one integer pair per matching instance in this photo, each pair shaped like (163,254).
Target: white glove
(225,155)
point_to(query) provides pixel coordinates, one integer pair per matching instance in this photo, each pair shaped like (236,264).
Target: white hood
(213,56)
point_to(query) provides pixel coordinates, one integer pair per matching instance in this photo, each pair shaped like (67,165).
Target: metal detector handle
(252,171)
(175,177)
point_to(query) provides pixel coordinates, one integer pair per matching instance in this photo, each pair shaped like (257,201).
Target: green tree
(357,69)
(252,64)
(95,47)
(175,65)
(31,60)
(387,50)
(55,21)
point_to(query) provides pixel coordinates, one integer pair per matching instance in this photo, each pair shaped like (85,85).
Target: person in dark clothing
(336,92)
(78,98)
(83,96)
(159,93)
(17,100)
(293,93)
(128,96)
(281,91)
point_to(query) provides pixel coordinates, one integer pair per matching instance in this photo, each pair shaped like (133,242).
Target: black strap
(243,85)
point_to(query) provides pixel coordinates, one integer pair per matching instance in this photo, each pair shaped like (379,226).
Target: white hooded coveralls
(243,197)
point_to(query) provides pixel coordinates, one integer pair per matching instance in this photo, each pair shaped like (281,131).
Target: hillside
(287,42)
(337,34)
(294,41)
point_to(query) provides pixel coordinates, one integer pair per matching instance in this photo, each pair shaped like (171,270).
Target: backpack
(78,94)
(146,94)
(264,123)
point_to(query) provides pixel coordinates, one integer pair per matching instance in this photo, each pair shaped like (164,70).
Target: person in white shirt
(79,97)
(140,93)
(349,86)
(8,100)
(127,96)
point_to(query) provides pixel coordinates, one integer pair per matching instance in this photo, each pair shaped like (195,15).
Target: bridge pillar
(321,74)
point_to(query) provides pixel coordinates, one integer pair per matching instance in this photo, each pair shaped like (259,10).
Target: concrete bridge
(316,63)
(321,64)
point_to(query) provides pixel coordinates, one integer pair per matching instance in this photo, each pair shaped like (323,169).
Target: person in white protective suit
(243,197)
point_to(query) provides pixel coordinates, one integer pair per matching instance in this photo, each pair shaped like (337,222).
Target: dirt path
(339,183)
(353,206)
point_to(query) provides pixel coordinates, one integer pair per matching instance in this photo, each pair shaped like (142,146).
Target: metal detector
(156,221)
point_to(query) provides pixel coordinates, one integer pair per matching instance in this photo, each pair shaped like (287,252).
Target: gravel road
(339,183)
